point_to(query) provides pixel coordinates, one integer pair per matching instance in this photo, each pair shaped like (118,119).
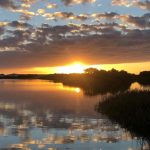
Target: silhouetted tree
(91,70)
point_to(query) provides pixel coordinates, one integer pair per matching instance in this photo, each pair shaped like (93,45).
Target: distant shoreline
(92,82)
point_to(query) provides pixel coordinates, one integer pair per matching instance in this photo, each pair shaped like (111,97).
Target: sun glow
(76,67)
(79,67)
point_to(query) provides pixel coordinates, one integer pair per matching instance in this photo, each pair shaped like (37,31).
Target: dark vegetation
(144,78)
(130,109)
(93,81)
(97,82)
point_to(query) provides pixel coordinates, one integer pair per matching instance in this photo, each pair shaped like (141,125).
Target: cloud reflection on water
(43,115)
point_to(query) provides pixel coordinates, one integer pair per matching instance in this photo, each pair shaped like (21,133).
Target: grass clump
(130,109)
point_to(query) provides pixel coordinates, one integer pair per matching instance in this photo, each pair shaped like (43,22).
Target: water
(36,114)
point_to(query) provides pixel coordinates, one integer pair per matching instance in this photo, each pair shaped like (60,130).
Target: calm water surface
(37,114)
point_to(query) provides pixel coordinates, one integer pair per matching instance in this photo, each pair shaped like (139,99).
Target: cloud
(128,3)
(52,5)
(81,17)
(17,24)
(70,15)
(54,45)
(144,5)
(41,11)
(141,22)
(91,36)
(128,20)
(22,7)
(72,2)
(25,14)
(1,30)
(109,16)
(9,4)
(64,16)
(13,5)
(3,24)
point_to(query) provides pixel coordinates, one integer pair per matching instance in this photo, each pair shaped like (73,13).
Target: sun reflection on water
(138,87)
(67,88)
(39,85)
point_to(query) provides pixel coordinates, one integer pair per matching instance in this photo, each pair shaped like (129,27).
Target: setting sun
(76,67)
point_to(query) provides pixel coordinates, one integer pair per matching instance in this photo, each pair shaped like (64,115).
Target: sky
(39,35)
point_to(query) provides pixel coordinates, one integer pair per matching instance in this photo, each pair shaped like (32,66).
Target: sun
(76,67)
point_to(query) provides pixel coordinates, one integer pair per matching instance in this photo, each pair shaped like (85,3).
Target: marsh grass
(130,109)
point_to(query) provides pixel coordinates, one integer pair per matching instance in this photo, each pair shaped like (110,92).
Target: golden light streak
(42,85)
